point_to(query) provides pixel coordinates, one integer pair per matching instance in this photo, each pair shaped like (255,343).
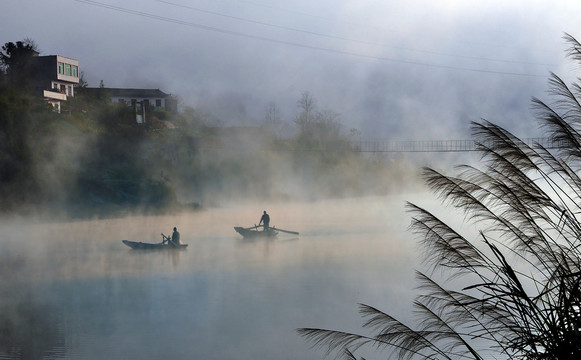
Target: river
(72,290)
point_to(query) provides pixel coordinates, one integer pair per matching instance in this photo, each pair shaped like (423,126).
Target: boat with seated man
(167,243)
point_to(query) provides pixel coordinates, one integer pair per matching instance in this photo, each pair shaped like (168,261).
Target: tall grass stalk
(522,266)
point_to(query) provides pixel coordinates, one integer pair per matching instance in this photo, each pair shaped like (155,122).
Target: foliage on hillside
(94,159)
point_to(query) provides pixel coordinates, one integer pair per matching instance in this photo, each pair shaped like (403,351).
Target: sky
(395,70)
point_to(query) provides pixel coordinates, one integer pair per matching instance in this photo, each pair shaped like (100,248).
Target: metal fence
(442,145)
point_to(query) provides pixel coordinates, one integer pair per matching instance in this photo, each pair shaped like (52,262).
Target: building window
(75,71)
(157,102)
(61,68)
(68,69)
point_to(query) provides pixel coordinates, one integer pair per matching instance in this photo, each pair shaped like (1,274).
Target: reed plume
(512,287)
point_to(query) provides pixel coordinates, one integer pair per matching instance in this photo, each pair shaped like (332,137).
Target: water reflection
(29,329)
(77,292)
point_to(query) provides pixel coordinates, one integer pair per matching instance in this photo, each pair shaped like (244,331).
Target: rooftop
(130,93)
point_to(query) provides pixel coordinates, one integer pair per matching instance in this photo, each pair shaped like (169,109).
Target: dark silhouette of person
(266,220)
(175,237)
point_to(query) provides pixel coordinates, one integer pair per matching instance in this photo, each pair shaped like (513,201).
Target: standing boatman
(266,220)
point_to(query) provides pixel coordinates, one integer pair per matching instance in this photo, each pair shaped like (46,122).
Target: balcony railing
(55,95)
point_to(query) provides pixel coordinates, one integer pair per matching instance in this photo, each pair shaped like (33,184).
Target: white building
(141,100)
(56,76)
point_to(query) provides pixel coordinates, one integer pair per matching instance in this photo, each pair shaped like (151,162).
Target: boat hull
(249,233)
(152,246)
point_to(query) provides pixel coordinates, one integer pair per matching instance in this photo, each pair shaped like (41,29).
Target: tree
(83,84)
(518,293)
(16,61)
(327,124)
(307,104)
(272,114)
(317,128)
(273,120)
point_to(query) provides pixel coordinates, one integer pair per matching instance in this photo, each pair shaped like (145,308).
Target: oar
(252,227)
(285,231)
(168,240)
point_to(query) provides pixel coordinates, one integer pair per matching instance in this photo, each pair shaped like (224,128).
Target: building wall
(153,102)
(56,76)
(142,101)
(67,69)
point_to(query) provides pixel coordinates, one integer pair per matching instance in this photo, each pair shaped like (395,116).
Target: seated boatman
(266,220)
(175,237)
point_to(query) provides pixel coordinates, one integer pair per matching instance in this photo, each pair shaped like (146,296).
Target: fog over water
(72,290)
(389,71)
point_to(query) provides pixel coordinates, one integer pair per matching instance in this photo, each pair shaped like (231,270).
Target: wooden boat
(252,232)
(153,246)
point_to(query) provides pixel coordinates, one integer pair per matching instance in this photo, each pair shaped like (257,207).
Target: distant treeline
(94,159)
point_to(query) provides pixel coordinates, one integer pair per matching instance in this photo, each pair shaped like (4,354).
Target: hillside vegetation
(93,159)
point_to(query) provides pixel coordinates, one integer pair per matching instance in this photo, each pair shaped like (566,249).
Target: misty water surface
(72,290)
